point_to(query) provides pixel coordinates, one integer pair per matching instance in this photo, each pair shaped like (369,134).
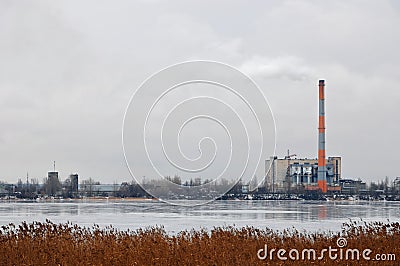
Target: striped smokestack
(321,139)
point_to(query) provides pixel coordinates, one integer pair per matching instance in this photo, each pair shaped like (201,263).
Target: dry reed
(68,244)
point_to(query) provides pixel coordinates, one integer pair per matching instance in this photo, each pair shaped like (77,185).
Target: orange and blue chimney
(321,140)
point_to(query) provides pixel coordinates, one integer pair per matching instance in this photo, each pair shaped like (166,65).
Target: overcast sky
(68,69)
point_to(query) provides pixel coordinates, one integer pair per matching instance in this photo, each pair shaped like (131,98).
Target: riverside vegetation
(47,243)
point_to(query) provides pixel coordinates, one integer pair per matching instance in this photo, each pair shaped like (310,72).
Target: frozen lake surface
(124,214)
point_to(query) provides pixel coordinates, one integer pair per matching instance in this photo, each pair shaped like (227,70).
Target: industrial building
(323,174)
(396,184)
(352,187)
(286,174)
(74,182)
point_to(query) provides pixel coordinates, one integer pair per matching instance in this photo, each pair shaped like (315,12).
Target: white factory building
(292,173)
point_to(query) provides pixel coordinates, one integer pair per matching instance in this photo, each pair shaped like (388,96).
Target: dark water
(303,215)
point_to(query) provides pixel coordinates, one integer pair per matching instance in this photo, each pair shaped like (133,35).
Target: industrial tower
(321,139)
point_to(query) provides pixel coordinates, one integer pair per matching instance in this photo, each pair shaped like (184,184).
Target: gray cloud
(289,67)
(68,68)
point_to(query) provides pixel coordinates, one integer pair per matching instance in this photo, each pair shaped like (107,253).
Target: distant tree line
(52,187)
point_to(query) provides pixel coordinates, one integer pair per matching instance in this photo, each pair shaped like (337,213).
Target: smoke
(287,67)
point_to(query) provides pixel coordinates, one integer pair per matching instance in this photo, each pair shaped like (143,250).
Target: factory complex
(320,174)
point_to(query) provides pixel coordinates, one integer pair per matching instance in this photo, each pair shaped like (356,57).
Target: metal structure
(273,173)
(288,176)
(321,140)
